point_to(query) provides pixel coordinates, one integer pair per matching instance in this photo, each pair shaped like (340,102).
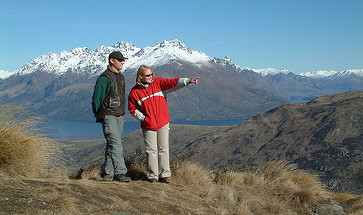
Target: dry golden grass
(93,173)
(296,183)
(279,188)
(352,203)
(24,152)
(276,189)
(195,178)
(193,190)
(344,197)
(66,204)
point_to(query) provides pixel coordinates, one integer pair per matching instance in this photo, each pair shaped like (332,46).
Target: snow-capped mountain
(227,61)
(162,53)
(96,60)
(76,60)
(271,71)
(60,85)
(5,74)
(93,62)
(333,74)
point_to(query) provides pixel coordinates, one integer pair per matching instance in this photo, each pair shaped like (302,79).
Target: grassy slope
(277,189)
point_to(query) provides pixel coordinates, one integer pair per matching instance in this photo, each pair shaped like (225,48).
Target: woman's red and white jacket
(147,103)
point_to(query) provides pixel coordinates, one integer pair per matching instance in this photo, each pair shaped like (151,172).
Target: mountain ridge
(60,85)
(66,93)
(59,63)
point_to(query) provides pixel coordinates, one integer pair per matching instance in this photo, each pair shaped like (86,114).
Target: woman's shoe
(164,180)
(151,180)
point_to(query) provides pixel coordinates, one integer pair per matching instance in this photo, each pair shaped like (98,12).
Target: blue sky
(299,35)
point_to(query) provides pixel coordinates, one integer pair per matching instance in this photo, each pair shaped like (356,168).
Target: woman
(147,103)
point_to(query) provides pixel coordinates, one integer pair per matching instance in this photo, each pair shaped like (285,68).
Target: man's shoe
(164,180)
(121,178)
(106,177)
(151,180)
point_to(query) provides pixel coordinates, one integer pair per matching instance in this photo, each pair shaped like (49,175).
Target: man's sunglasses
(120,60)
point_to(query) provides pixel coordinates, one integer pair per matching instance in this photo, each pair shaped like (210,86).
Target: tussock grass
(345,197)
(24,151)
(193,177)
(352,203)
(66,204)
(277,188)
(93,173)
(297,184)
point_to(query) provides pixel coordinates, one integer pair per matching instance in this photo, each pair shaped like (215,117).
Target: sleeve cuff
(138,115)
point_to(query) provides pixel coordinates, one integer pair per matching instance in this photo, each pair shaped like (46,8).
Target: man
(108,105)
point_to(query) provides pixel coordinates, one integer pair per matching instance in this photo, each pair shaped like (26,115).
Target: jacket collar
(144,85)
(110,68)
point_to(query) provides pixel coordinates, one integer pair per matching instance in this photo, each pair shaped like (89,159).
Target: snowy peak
(228,61)
(333,74)
(79,59)
(174,45)
(128,49)
(5,74)
(263,72)
(163,52)
(94,61)
(60,63)
(271,71)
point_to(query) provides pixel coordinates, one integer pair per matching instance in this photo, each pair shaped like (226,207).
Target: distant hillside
(299,88)
(324,135)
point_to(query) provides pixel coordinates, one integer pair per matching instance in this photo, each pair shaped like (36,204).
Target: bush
(24,151)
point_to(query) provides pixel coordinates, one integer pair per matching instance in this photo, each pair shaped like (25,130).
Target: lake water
(86,130)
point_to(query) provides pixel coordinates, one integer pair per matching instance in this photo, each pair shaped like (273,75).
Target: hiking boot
(151,180)
(106,177)
(121,178)
(164,180)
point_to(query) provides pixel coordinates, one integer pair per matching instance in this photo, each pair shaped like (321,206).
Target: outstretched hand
(194,80)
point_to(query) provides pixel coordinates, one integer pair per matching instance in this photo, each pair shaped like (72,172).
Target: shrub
(24,151)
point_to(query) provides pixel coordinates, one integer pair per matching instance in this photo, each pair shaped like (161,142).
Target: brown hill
(324,135)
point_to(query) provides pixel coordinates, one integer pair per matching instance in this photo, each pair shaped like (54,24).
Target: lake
(87,130)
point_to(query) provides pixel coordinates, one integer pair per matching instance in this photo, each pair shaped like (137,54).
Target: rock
(330,210)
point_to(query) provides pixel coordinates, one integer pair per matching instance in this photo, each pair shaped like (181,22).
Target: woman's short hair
(141,71)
